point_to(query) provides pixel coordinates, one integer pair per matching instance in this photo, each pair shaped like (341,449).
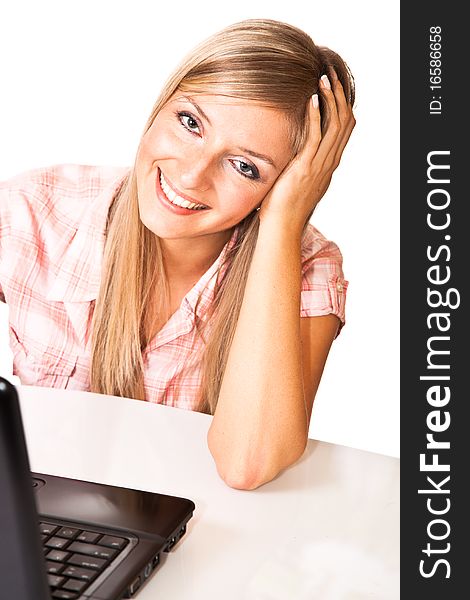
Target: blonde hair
(272,63)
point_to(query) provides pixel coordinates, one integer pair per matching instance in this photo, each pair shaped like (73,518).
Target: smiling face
(206,162)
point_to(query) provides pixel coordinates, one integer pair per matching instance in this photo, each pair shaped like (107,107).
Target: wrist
(278,225)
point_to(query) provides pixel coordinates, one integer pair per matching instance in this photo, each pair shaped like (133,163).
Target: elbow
(247,478)
(240,481)
(244,478)
(254,471)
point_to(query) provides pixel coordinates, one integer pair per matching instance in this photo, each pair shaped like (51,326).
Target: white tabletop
(327,528)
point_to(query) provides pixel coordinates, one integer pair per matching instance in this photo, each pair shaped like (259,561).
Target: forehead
(242,122)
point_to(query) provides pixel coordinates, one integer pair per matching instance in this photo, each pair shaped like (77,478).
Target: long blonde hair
(266,61)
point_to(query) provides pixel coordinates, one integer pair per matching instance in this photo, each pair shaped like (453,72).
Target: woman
(181,281)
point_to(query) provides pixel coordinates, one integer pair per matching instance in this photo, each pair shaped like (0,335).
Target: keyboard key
(88,562)
(53,567)
(92,550)
(79,573)
(64,595)
(112,541)
(47,528)
(58,555)
(88,536)
(86,554)
(67,532)
(74,585)
(55,580)
(56,542)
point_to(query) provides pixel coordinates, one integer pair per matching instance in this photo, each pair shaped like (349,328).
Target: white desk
(326,529)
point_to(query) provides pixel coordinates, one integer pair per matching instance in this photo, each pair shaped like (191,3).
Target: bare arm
(261,422)
(276,359)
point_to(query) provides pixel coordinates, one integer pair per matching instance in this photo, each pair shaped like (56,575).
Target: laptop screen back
(22,570)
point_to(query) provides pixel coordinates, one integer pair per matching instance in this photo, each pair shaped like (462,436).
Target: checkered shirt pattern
(52,237)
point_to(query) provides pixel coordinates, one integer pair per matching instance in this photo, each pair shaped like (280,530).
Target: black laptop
(70,539)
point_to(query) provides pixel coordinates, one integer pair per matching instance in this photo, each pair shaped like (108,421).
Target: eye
(245,169)
(188,121)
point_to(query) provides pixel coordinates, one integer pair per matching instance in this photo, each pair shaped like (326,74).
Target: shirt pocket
(45,366)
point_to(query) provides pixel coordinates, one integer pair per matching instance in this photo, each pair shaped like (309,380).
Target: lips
(174,199)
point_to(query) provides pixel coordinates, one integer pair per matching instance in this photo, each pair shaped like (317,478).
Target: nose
(195,172)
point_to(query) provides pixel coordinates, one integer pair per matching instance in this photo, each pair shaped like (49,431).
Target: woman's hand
(306,178)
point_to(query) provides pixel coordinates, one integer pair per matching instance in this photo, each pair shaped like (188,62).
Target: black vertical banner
(435,259)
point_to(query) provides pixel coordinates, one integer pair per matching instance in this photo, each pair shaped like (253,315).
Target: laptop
(70,539)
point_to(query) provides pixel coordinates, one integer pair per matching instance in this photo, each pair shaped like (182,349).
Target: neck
(188,259)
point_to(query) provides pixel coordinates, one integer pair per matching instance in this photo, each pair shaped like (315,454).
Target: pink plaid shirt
(52,236)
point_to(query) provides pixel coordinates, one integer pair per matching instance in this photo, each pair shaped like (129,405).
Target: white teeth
(175,199)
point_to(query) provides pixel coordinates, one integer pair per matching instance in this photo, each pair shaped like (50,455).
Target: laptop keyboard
(76,557)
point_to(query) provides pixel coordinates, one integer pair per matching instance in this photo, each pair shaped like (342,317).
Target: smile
(176,199)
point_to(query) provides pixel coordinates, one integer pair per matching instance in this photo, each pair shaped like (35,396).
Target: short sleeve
(324,288)
(20,209)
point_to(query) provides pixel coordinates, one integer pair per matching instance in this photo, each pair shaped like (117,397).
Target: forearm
(260,424)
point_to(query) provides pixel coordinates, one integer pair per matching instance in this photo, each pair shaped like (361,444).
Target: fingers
(314,117)
(344,109)
(322,152)
(345,113)
(339,123)
(314,138)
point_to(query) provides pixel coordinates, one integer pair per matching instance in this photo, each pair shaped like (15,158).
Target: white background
(79,80)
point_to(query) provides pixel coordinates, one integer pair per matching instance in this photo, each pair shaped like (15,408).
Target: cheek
(250,201)
(240,203)
(159,142)
(251,194)
(151,146)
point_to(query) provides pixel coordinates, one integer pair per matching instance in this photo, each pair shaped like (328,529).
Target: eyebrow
(258,155)
(198,108)
(263,157)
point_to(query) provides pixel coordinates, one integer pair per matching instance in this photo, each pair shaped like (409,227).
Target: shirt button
(339,287)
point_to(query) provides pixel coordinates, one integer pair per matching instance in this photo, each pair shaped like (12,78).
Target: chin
(160,230)
(165,231)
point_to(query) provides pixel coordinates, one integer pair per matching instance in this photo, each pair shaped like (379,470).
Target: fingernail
(326,82)
(315,100)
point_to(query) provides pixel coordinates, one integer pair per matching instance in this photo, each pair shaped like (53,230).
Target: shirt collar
(203,290)
(78,264)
